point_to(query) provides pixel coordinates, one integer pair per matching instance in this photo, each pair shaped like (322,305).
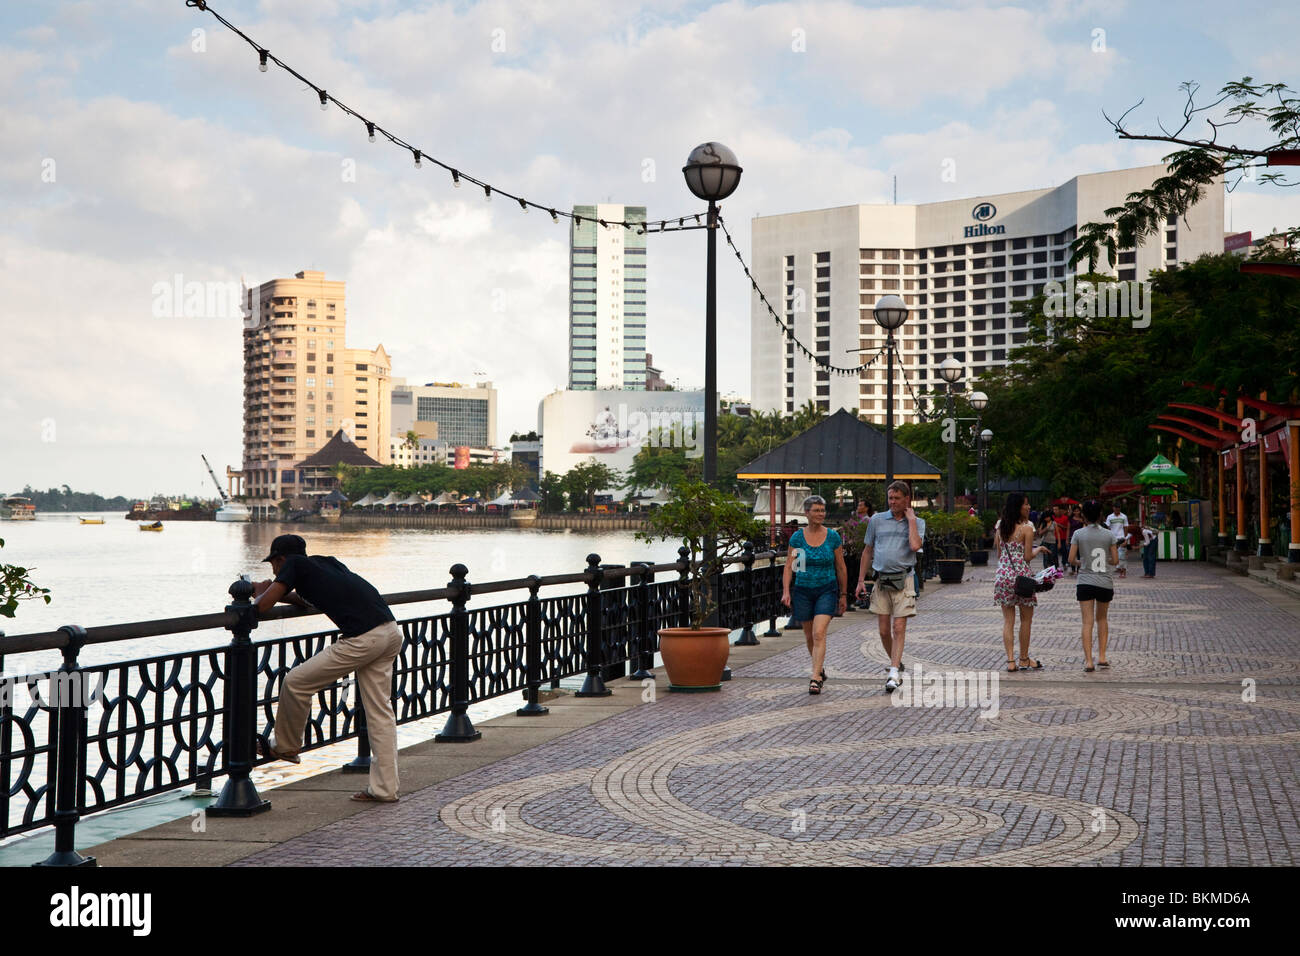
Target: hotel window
(999,262)
(1018,291)
(1019,243)
(998,246)
(329,420)
(889,253)
(909,254)
(329,344)
(1001,291)
(1020,260)
(1040,242)
(823,272)
(1019,275)
(1040,273)
(1171,235)
(311,382)
(311,343)
(940,251)
(1171,253)
(329,382)
(823,257)
(1128,258)
(1058,255)
(1127,275)
(866,253)
(1040,257)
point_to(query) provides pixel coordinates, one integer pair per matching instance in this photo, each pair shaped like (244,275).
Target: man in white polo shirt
(1117,521)
(889,548)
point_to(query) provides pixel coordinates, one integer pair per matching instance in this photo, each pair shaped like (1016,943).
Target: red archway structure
(1274,430)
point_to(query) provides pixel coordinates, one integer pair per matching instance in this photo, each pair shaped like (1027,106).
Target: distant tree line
(65,499)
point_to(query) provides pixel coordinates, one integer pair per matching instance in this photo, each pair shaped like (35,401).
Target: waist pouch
(893,582)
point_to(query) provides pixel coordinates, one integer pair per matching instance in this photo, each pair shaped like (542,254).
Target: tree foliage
(1199,166)
(15,586)
(481,480)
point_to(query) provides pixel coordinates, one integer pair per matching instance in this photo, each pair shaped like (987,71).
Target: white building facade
(607,299)
(958,264)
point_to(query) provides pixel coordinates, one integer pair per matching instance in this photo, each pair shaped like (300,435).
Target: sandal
(264,750)
(1029,664)
(1013,668)
(823,675)
(1103,663)
(815,686)
(1089,670)
(365,796)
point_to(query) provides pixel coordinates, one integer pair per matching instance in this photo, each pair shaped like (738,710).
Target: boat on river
(92,520)
(156,526)
(17,508)
(230,510)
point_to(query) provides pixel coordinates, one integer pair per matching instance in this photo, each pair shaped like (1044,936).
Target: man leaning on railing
(369,640)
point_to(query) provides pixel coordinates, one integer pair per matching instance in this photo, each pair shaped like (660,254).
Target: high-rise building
(452,413)
(607,299)
(302,383)
(958,264)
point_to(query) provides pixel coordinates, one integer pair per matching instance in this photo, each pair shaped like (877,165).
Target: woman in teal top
(816,562)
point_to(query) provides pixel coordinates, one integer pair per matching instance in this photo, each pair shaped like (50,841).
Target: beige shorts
(893,603)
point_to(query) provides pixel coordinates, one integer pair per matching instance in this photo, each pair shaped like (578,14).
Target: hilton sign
(982,213)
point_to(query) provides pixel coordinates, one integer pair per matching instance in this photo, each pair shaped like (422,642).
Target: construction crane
(225,498)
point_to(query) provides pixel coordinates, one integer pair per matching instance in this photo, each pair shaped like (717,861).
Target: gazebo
(839,447)
(317,471)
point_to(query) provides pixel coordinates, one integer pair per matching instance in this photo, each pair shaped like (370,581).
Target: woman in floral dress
(1015,550)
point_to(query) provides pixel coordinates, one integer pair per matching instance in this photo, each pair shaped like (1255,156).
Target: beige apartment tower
(302,383)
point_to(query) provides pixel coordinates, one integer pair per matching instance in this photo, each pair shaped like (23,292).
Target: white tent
(505,499)
(410,500)
(390,499)
(443,499)
(365,502)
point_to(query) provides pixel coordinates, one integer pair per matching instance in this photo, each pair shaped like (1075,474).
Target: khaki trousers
(370,656)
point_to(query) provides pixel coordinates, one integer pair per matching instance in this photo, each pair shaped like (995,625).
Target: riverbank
(571,522)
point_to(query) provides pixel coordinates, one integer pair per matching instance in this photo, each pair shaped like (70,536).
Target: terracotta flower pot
(694,658)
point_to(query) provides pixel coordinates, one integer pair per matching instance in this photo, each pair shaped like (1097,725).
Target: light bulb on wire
(417,159)
(455,178)
(370,131)
(261,59)
(324,102)
(487,192)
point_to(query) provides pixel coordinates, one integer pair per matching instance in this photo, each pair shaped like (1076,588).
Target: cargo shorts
(894,602)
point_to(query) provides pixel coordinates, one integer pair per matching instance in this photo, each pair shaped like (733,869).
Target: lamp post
(986,436)
(979,401)
(950,371)
(713,174)
(890,313)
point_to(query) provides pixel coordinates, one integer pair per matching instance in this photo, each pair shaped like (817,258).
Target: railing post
(533,651)
(594,685)
(683,587)
(643,657)
(361,762)
(747,638)
(774,599)
(239,796)
(459,728)
(68,702)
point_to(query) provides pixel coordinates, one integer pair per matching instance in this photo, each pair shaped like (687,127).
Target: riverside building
(454,414)
(302,384)
(958,264)
(607,299)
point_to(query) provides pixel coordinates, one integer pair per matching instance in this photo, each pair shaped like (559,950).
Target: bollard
(774,597)
(69,739)
(361,762)
(533,651)
(643,654)
(747,638)
(594,685)
(683,587)
(239,797)
(459,729)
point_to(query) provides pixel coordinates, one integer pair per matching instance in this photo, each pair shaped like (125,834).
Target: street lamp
(986,436)
(979,401)
(712,173)
(950,371)
(890,312)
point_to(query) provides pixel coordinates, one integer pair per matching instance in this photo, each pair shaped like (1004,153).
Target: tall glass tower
(607,296)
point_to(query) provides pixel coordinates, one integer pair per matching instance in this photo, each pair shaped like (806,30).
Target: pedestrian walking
(1061,517)
(1094,552)
(816,562)
(1015,551)
(1117,522)
(890,546)
(369,640)
(1149,548)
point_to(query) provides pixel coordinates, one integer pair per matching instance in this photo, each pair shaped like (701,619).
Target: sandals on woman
(1089,669)
(815,686)
(1029,664)
(1013,668)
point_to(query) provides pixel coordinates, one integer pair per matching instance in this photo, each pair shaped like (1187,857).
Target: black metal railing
(80,740)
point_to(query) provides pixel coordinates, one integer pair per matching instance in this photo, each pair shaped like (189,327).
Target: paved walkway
(1183,753)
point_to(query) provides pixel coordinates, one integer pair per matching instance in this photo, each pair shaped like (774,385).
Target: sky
(135,150)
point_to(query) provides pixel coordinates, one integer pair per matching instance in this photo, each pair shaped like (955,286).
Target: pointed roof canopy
(841,446)
(338,450)
(365,502)
(336,497)
(527,494)
(1161,471)
(1120,483)
(444,499)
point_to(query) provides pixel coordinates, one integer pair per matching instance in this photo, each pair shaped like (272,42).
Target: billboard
(612,425)
(462,456)
(1237,242)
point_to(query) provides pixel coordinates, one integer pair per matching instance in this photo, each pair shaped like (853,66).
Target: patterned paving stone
(1184,753)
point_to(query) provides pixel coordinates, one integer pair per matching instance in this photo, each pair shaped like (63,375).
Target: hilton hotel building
(959,265)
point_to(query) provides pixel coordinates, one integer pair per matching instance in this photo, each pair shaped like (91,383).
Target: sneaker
(891,685)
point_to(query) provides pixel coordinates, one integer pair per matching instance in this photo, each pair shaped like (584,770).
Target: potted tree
(695,656)
(952,532)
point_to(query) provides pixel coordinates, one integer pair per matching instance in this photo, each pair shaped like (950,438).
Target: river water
(114,573)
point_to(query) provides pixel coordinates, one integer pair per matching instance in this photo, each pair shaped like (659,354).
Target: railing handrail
(109,633)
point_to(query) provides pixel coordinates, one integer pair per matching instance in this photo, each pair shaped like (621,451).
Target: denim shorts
(807,603)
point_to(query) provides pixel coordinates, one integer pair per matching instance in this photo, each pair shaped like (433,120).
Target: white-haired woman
(816,562)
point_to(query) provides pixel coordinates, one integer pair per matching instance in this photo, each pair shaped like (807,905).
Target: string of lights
(458,176)
(788,331)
